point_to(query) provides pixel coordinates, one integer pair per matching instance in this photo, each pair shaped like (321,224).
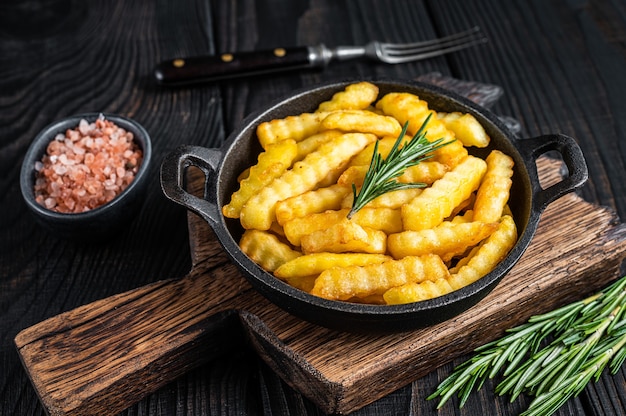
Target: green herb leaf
(587,336)
(381,176)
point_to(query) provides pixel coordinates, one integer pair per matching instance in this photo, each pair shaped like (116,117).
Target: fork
(181,71)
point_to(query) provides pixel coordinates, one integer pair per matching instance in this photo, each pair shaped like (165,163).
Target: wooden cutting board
(103,357)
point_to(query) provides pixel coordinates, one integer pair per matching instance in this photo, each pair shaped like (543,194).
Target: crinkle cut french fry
(266,249)
(345,237)
(467,216)
(243,175)
(305,283)
(357,96)
(343,283)
(384,219)
(465,128)
(315,263)
(415,292)
(426,172)
(332,176)
(388,220)
(292,127)
(311,199)
(406,107)
(438,201)
(270,165)
(393,200)
(353,175)
(489,254)
(466,205)
(260,210)
(463,261)
(447,240)
(362,121)
(311,202)
(369,300)
(277,229)
(493,192)
(312,143)
(365,156)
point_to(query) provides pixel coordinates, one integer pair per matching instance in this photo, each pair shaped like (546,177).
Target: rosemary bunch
(382,172)
(587,336)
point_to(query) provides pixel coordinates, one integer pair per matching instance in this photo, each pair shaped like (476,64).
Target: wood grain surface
(560,64)
(107,355)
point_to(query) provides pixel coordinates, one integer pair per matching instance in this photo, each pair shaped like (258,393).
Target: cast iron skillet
(222,166)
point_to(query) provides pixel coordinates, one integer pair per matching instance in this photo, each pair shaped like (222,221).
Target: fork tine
(424,43)
(400,53)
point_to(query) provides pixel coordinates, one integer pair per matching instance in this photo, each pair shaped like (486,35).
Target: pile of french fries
(404,246)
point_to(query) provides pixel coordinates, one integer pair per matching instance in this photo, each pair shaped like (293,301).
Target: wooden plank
(107,355)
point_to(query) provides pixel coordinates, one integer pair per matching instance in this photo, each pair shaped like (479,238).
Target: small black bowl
(99,223)
(222,167)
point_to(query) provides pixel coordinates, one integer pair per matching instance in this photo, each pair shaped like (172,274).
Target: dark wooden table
(562,65)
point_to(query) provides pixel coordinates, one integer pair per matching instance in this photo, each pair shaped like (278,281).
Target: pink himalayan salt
(86,167)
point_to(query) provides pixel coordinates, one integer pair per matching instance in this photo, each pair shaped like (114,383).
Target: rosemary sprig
(587,336)
(380,176)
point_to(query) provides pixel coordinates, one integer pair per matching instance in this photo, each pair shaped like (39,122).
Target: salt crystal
(50,203)
(59,169)
(83,127)
(70,174)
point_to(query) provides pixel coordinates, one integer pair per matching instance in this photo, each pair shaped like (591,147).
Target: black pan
(222,166)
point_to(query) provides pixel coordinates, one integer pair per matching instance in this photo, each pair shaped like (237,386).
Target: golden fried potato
(260,210)
(465,128)
(392,200)
(343,283)
(463,261)
(426,172)
(489,254)
(405,245)
(312,143)
(493,193)
(311,202)
(345,236)
(362,121)
(385,145)
(384,219)
(315,263)
(270,165)
(353,175)
(467,216)
(406,107)
(357,96)
(296,128)
(438,201)
(243,175)
(415,292)
(266,249)
(304,283)
(447,240)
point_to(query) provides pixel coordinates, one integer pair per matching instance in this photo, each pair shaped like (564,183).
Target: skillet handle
(173,177)
(573,158)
